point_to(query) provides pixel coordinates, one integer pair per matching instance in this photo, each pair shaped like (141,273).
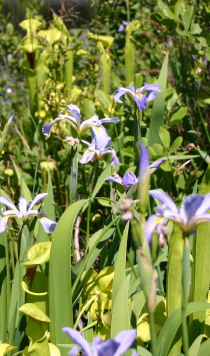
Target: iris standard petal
(150,87)
(129,179)
(47,224)
(85,125)
(164,199)
(79,340)
(22,205)
(114,159)
(100,138)
(87,156)
(190,206)
(121,91)
(3,223)
(7,202)
(143,162)
(125,339)
(141,101)
(37,199)
(75,112)
(204,206)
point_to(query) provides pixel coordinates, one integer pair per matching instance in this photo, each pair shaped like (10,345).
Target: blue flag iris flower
(141,95)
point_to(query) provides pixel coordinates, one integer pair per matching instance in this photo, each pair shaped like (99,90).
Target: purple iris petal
(165,199)
(109,119)
(47,127)
(47,224)
(156,164)
(129,179)
(7,202)
(143,162)
(125,339)
(114,159)
(204,206)
(141,101)
(121,28)
(3,223)
(37,199)
(107,348)
(87,156)
(100,138)
(74,351)
(120,92)
(75,112)
(151,87)
(79,340)
(151,226)
(190,206)
(114,180)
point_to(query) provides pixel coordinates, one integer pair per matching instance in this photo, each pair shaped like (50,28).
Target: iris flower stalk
(98,131)
(192,213)
(141,96)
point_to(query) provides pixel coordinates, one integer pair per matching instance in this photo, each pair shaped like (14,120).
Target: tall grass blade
(200,267)
(174,279)
(158,109)
(60,298)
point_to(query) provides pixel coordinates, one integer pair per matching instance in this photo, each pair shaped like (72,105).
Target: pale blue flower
(138,95)
(130,178)
(112,347)
(24,212)
(191,213)
(123,25)
(93,151)
(98,131)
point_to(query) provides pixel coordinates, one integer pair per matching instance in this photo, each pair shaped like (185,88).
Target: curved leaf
(38,254)
(60,299)
(34,312)
(172,324)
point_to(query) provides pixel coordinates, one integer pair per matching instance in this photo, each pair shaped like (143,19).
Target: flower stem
(153,332)
(186,279)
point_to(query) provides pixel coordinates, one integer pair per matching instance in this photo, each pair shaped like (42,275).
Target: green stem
(153,332)
(89,326)
(85,307)
(203,123)
(185,332)
(88,223)
(128,9)
(12,256)
(186,281)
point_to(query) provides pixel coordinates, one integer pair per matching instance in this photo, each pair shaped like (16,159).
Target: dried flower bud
(71,140)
